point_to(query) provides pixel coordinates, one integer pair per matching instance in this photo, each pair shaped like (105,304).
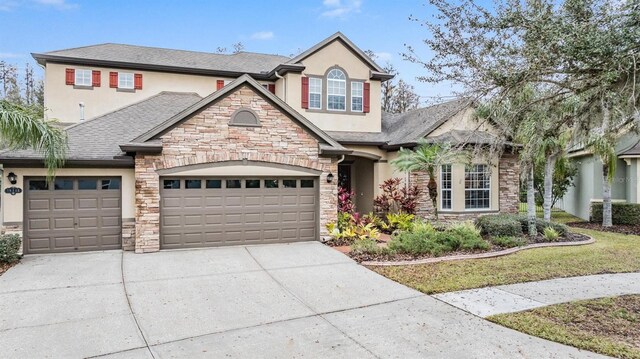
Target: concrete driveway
(271,301)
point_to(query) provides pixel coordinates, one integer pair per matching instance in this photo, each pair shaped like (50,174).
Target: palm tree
(427,157)
(23,128)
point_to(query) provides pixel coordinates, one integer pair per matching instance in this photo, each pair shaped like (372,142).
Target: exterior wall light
(330,177)
(13,178)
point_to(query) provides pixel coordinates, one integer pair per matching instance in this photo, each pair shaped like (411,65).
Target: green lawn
(609,326)
(612,253)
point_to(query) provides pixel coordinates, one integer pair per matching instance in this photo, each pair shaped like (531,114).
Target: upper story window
(125,80)
(357,94)
(336,90)
(315,93)
(82,77)
(477,187)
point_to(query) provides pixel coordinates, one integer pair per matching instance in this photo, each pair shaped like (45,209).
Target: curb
(501,253)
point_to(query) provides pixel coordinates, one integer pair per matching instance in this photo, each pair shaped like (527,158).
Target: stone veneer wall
(208,138)
(508,185)
(128,235)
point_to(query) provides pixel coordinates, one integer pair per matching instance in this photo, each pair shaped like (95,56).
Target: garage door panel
(79,218)
(228,216)
(88,203)
(41,223)
(38,204)
(111,203)
(63,203)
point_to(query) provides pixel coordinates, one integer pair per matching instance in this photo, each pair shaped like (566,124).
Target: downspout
(284,81)
(341,159)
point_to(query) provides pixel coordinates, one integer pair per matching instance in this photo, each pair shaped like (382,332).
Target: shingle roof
(99,138)
(406,128)
(242,62)
(186,112)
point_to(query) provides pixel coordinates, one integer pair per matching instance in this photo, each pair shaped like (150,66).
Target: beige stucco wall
(463,120)
(336,54)
(61,101)
(12,206)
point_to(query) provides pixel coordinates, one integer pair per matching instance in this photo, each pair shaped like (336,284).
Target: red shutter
(272,88)
(95,78)
(219,84)
(366,98)
(113,79)
(305,92)
(70,77)
(137,81)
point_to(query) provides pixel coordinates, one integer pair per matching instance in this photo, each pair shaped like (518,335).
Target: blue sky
(281,27)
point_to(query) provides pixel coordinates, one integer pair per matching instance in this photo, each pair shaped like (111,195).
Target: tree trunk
(606,196)
(549,167)
(531,204)
(433,194)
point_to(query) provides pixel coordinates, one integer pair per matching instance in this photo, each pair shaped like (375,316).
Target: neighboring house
(177,149)
(588,181)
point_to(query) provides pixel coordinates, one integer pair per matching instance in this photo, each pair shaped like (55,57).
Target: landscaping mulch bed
(609,326)
(5,266)
(382,257)
(616,228)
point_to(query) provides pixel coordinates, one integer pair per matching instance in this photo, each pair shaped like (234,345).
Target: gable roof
(98,139)
(154,58)
(333,146)
(408,127)
(335,37)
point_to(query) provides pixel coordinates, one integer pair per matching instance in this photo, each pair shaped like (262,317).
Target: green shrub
(508,241)
(9,248)
(424,239)
(551,234)
(621,213)
(500,225)
(368,246)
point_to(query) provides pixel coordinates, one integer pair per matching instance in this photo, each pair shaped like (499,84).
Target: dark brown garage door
(204,212)
(72,214)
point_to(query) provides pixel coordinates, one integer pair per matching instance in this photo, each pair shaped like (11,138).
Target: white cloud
(10,5)
(10,55)
(340,8)
(58,4)
(262,35)
(384,56)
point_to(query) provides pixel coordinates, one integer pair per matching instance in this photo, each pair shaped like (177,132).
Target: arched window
(336,90)
(244,117)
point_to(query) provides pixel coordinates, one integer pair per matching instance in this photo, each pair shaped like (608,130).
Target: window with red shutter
(137,81)
(305,92)
(70,76)
(95,78)
(366,98)
(272,88)
(219,84)
(113,79)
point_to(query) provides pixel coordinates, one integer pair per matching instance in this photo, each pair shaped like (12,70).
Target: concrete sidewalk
(511,298)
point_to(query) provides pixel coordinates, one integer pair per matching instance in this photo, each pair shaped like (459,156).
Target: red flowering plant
(396,198)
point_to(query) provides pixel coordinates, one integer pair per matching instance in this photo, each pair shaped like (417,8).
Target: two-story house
(176,149)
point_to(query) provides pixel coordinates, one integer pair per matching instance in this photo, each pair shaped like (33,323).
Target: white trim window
(477,187)
(445,187)
(315,93)
(125,80)
(336,90)
(357,93)
(83,77)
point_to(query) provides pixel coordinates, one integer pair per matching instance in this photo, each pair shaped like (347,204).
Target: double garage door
(72,214)
(204,212)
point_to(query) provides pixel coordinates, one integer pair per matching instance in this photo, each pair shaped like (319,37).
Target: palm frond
(20,129)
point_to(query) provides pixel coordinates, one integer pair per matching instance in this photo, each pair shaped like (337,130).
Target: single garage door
(205,212)
(72,214)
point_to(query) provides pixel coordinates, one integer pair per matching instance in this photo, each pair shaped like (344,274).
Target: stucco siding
(337,54)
